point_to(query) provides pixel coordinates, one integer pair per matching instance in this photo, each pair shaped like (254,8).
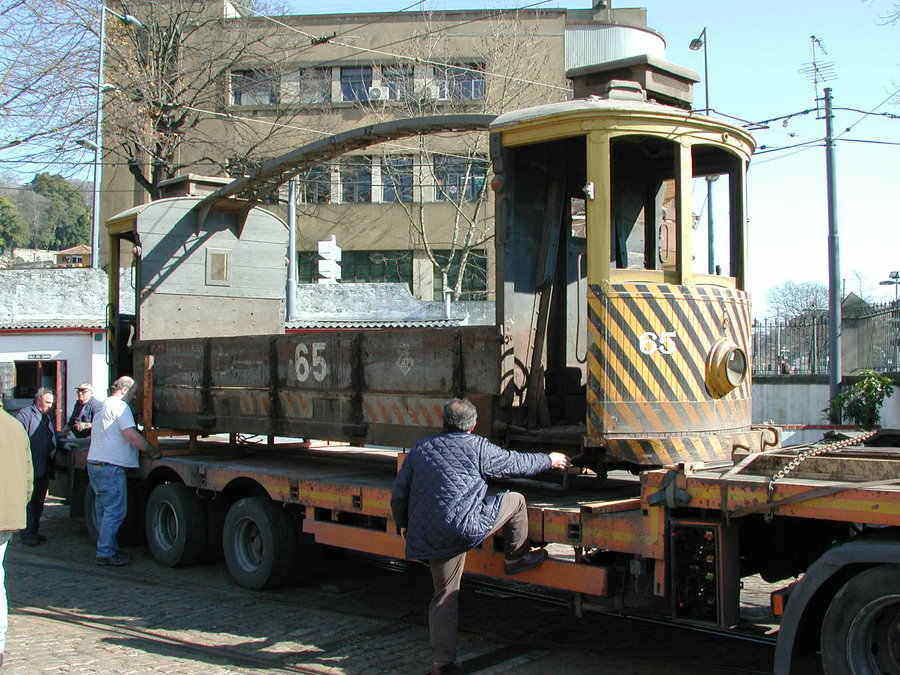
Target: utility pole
(290,306)
(834,263)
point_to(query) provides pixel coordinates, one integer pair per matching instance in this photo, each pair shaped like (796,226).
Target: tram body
(667,358)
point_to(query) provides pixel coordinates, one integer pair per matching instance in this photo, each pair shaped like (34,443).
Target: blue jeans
(109,485)
(4,540)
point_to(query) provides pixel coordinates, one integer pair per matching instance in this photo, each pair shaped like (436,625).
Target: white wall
(85,357)
(803,404)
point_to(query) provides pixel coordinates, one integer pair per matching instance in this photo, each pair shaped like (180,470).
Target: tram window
(642,186)
(715,174)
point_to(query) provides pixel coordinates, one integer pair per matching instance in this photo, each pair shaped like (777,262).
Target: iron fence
(870,338)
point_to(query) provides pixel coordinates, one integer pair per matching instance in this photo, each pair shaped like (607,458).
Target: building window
(314,85)
(377,267)
(254,87)
(397,176)
(459,178)
(361,267)
(356,179)
(355,83)
(307,267)
(398,80)
(459,84)
(315,184)
(218,270)
(474,283)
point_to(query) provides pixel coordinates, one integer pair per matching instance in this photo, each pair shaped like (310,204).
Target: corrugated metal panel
(589,45)
(298,325)
(74,323)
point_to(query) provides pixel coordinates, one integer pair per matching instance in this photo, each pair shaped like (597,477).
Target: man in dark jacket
(441,504)
(42,439)
(86,407)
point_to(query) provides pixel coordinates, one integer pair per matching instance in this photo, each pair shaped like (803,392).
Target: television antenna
(818,71)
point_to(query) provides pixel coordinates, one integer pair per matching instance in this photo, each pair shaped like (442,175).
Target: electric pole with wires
(819,71)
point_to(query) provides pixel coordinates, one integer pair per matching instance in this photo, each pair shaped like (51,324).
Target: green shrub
(861,402)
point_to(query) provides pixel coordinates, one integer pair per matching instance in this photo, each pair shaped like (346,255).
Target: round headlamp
(726,367)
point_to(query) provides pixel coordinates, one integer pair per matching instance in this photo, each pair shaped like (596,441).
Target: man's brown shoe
(445,669)
(526,562)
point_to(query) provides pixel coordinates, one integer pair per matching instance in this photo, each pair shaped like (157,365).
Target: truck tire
(131,531)
(260,543)
(861,629)
(175,522)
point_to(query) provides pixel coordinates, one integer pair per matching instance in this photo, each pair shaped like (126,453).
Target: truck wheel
(175,522)
(259,542)
(861,630)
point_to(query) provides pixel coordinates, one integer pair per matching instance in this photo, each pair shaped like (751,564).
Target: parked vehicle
(613,346)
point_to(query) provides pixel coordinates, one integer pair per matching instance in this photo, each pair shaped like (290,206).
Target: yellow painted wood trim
(637,275)
(682,128)
(599,209)
(684,216)
(123,226)
(714,280)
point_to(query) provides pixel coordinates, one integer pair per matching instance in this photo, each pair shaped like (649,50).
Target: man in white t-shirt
(115,444)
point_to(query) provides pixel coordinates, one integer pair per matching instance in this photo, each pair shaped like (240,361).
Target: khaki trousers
(446,574)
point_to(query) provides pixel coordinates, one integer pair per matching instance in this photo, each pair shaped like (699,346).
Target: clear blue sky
(755,52)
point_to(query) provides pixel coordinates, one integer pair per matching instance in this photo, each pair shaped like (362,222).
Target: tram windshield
(645,214)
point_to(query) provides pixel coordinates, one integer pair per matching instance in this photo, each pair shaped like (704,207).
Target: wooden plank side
(872,506)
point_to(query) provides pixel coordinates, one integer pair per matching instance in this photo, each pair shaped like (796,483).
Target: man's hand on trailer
(559,461)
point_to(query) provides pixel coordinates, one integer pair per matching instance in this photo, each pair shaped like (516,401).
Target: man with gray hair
(115,443)
(42,441)
(441,504)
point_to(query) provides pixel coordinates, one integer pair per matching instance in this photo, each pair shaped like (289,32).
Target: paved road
(67,615)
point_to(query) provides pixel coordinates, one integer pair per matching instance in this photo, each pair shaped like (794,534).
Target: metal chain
(815,452)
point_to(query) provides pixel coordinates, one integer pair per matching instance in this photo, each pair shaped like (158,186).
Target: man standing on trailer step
(115,443)
(42,440)
(441,504)
(15,490)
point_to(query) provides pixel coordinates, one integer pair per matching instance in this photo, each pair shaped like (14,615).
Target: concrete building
(53,333)
(399,210)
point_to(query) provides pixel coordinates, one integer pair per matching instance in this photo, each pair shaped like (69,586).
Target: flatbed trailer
(612,343)
(671,544)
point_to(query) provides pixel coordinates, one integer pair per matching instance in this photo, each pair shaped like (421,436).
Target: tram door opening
(542,272)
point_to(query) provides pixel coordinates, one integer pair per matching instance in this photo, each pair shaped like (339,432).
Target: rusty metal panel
(627,531)
(382,387)
(411,361)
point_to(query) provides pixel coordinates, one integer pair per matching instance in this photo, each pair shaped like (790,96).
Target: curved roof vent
(661,81)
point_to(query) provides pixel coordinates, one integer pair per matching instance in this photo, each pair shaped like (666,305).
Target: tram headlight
(726,367)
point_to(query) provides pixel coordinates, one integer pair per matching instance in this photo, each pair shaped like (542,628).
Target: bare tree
(792,299)
(175,80)
(48,58)
(502,72)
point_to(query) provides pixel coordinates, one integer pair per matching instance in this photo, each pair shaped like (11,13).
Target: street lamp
(892,280)
(97,144)
(695,45)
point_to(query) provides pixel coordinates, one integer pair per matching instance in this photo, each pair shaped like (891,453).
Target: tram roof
(597,104)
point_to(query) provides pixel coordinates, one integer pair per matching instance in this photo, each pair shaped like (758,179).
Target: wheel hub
(873,641)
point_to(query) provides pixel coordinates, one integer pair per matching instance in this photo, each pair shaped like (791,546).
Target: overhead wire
(867,114)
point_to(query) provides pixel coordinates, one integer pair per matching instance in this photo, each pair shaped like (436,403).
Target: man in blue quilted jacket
(441,504)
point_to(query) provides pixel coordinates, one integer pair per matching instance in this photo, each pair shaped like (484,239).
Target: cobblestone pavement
(67,615)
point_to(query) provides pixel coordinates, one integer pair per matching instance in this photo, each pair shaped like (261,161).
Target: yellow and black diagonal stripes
(647,369)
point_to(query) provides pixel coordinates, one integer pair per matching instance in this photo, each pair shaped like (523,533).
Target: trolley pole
(290,305)
(834,264)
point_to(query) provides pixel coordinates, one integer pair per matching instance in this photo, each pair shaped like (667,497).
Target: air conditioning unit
(378,93)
